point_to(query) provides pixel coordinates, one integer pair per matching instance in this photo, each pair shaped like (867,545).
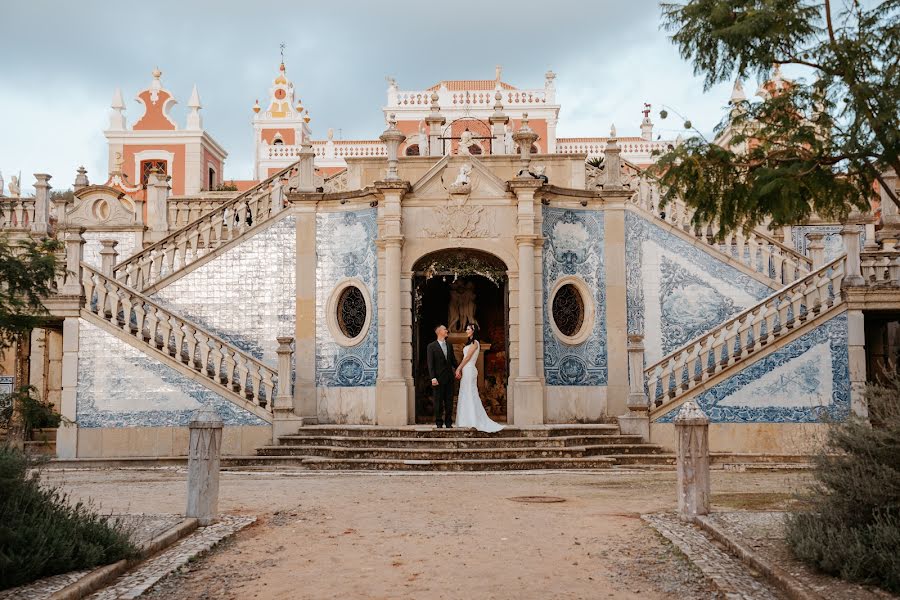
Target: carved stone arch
(101,206)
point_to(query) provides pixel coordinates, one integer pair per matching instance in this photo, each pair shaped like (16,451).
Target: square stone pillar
(391,392)
(305,400)
(616,303)
(692,455)
(637,420)
(856,342)
(435,121)
(157,207)
(67,434)
(527,384)
(41,224)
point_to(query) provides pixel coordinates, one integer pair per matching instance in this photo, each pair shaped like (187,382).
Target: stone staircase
(423,448)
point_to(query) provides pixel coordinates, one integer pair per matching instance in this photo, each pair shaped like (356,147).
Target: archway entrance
(452,287)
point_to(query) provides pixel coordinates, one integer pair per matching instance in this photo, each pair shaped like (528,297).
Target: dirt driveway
(330,535)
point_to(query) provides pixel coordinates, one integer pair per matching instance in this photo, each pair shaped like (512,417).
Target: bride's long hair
(474,337)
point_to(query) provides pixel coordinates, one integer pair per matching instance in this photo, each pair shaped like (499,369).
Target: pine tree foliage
(820,143)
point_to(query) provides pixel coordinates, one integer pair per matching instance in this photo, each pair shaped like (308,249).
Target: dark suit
(443,368)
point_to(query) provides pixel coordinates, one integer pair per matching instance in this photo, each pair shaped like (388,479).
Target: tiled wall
(119,386)
(125,247)
(677,291)
(801,382)
(345,247)
(574,246)
(834,245)
(247,295)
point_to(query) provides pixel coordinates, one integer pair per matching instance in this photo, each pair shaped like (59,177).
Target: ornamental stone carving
(461,221)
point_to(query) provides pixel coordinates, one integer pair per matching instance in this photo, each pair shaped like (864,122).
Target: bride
(469,410)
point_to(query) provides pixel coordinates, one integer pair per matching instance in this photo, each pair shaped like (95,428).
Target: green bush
(34,413)
(851,526)
(43,533)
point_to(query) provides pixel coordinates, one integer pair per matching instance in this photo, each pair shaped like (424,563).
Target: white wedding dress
(469,410)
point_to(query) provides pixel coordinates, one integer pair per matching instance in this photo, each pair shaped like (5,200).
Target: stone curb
(102,576)
(792,588)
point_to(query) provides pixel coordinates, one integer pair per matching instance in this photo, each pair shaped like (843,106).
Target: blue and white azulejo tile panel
(574,247)
(834,244)
(345,248)
(125,247)
(119,386)
(247,295)
(677,291)
(801,382)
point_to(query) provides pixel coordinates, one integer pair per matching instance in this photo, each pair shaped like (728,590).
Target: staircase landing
(424,448)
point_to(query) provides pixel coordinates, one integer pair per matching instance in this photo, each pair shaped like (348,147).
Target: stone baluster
(41,223)
(205,446)
(74,256)
(157,209)
(108,256)
(816,247)
(392,138)
(850,237)
(637,420)
(692,455)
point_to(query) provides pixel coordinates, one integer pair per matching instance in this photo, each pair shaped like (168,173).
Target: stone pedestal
(204,450)
(692,454)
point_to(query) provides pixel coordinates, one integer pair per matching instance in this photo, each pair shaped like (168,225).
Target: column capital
(390,241)
(386,187)
(524,185)
(529,240)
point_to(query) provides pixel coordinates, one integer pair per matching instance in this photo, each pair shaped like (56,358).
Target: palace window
(351,311)
(412,150)
(568,310)
(152,165)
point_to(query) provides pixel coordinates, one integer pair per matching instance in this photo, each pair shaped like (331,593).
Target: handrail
(122,267)
(184,341)
(746,333)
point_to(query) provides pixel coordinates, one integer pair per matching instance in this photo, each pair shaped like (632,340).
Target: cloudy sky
(60,62)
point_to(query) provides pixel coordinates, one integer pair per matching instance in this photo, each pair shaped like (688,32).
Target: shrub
(851,527)
(43,533)
(33,412)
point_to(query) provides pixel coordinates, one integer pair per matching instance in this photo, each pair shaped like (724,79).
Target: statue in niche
(462,306)
(509,146)
(462,178)
(14,189)
(465,142)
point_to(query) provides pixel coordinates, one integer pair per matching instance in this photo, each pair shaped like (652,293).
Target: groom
(442,367)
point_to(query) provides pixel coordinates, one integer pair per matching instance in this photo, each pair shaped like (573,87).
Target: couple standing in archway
(444,372)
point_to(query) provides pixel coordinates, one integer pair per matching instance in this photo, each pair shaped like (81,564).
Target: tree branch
(828,20)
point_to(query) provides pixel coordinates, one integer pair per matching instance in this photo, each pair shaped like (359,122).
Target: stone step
(616,449)
(433,454)
(428,431)
(643,459)
(518,464)
(457,442)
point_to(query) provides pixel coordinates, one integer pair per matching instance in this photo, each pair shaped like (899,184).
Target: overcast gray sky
(60,62)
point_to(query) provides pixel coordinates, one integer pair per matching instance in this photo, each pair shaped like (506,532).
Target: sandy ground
(331,535)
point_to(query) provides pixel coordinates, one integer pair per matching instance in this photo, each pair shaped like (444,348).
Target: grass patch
(755,500)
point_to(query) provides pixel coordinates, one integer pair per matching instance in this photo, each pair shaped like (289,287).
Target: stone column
(637,420)
(498,121)
(204,450)
(305,401)
(692,455)
(856,350)
(551,135)
(139,222)
(108,256)
(435,120)
(60,205)
(41,224)
(528,389)
(157,206)
(617,389)
(74,256)
(853,275)
(612,162)
(307,168)
(285,421)
(816,247)
(67,434)
(390,389)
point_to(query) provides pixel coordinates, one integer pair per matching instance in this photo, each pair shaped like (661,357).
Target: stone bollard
(204,448)
(692,453)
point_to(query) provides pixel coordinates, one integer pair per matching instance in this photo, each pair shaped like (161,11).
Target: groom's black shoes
(448,426)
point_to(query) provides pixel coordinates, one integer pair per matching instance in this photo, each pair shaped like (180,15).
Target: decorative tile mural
(345,247)
(677,291)
(801,382)
(120,386)
(574,246)
(834,245)
(247,295)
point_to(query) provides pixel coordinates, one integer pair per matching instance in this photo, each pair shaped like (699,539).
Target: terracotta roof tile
(460,85)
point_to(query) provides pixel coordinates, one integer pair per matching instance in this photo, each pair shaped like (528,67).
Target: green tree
(815,145)
(27,271)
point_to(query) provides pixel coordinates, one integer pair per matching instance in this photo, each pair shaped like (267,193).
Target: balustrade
(881,268)
(752,330)
(16,213)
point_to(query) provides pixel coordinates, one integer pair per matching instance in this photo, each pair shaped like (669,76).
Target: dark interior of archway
(431,307)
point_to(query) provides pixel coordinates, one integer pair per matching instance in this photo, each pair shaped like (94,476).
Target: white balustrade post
(139,223)
(74,256)
(307,168)
(816,249)
(41,224)
(60,206)
(157,206)
(692,455)
(612,162)
(286,421)
(637,420)
(392,138)
(525,137)
(108,256)
(498,121)
(204,448)
(850,237)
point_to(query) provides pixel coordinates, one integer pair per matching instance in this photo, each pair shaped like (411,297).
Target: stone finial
(691,414)
(737,92)
(330,134)
(204,456)
(549,76)
(392,138)
(41,223)
(435,101)
(117,112)
(498,72)
(612,165)
(194,120)
(525,137)
(257,107)
(612,131)
(81,179)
